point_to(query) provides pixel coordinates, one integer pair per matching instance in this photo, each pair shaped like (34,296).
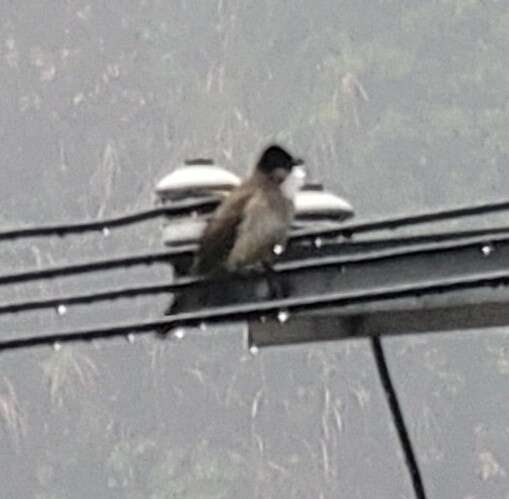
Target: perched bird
(246,232)
(251,225)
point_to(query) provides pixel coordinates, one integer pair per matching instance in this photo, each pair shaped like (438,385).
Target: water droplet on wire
(179,333)
(278,249)
(283,316)
(487,249)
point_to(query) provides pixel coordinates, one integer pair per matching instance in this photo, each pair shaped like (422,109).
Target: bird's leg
(276,288)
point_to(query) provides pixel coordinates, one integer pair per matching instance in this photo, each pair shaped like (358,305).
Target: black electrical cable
(424,218)
(201,205)
(99,264)
(348,231)
(95,296)
(171,254)
(249,311)
(397,415)
(289,266)
(165,287)
(177,208)
(328,235)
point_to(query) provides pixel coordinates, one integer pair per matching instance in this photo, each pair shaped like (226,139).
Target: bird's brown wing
(219,235)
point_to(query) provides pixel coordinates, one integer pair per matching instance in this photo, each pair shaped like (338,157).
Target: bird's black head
(275,157)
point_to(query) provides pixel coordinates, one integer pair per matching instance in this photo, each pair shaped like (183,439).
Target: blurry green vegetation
(171,80)
(434,73)
(69,374)
(212,475)
(12,420)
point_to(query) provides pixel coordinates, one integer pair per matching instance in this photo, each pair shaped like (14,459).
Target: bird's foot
(277,288)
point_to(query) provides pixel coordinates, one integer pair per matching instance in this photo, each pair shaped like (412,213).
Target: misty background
(400,107)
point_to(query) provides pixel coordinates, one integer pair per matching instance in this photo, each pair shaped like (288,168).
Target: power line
(487,233)
(95,265)
(205,204)
(175,209)
(172,254)
(248,311)
(287,266)
(397,415)
(397,222)
(188,250)
(434,216)
(90,297)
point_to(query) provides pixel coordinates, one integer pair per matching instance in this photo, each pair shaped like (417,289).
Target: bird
(250,227)
(246,232)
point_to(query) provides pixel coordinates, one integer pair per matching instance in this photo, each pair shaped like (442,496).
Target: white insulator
(196,178)
(183,230)
(320,203)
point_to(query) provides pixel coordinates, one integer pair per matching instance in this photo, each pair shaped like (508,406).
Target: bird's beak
(300,174)
(298,171)
(297,162)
